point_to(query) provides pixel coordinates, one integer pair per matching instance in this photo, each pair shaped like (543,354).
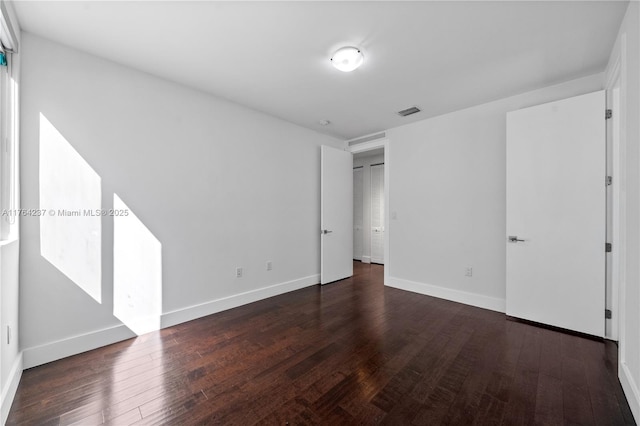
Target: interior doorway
(368,144)
(369,206)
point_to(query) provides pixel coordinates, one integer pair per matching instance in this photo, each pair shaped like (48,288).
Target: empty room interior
(320,212)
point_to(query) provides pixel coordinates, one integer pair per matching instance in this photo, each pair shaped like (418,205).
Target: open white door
(336,215)
(556,213)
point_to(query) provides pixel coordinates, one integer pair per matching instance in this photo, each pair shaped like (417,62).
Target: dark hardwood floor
(352,352)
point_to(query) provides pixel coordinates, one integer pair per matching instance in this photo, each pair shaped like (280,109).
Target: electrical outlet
(238,272)
(468,271)
(269,265)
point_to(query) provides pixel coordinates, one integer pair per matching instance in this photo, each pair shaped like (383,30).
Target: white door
(336,215)
(358,212)
(556,213)
(377,213)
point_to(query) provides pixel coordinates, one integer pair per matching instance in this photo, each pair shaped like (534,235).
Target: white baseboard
(366,259)
(631,390)
(198,311)
(11,386)
(473,299)
(53,351)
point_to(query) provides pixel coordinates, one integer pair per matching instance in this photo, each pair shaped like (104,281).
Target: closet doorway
(368,206)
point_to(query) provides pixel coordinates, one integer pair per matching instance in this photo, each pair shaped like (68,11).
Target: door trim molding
(618,199)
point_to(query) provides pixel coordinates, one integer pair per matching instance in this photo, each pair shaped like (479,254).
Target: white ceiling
(274,56)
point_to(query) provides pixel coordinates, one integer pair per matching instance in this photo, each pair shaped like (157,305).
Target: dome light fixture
(347,59)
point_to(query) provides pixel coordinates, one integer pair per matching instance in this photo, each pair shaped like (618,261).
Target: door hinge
(608,114)
(608,180)
(607,313)
(607,247)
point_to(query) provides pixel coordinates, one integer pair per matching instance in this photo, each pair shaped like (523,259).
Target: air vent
(408,111)
(364,139)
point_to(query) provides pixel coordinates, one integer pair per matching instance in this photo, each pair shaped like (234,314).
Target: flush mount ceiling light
(347,59)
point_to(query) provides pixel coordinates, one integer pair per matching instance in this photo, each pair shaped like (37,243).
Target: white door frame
(368,146)
(372,258)
(617,139)
(358,171)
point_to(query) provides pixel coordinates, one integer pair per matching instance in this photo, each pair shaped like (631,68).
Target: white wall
(448,194)
(365,161)
(10,355)
(218,185)
(626,52)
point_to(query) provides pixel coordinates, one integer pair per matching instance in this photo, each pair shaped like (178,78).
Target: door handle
(325,231)
(514,239)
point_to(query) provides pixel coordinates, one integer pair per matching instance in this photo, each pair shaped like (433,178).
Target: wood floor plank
(576,399)
(467,403)
(605,405)
(490,411)
(522,397)
(549,401)
(352,352)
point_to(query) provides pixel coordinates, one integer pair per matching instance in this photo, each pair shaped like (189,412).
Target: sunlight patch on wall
(70,194)
(137,271)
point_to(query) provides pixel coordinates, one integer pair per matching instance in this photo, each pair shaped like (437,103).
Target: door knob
(514,239)
(325,231)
